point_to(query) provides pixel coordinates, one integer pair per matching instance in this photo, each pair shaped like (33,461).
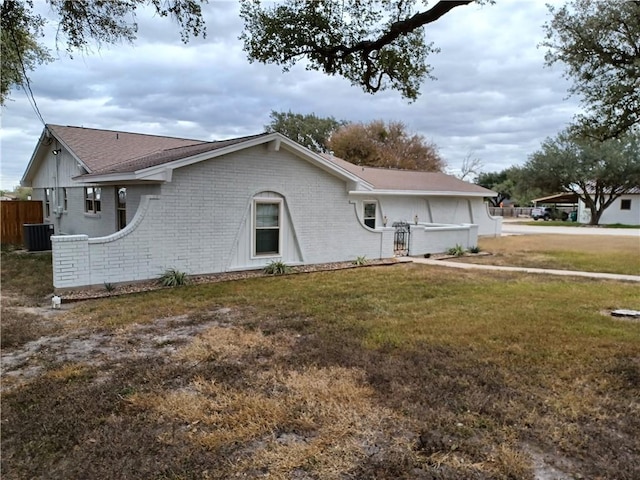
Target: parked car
(548,213)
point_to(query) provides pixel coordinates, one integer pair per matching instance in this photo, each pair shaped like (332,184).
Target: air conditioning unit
(37,236)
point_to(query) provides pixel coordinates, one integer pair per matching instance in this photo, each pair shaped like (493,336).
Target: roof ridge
(330,156)
(124,132)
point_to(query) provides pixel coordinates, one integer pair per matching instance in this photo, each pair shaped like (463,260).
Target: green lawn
(590,253)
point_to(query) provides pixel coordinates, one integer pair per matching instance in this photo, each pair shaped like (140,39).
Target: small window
(625,204)
(370,214)
(47,202)
(121,207)
(267,228)
(92,199)
(64,199)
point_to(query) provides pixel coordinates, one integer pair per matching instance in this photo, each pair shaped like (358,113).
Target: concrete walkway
(565,273)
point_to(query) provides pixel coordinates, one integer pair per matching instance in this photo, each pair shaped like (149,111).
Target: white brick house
(126,206)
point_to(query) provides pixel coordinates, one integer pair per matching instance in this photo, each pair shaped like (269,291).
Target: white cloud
(493,95)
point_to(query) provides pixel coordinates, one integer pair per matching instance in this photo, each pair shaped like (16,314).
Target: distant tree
(376,44)
(513,184)
(377,144)
(499,182)
(80,23)
(598,172)
(23,193)
(309,130)
(599,44)
(470,168)
(523,191)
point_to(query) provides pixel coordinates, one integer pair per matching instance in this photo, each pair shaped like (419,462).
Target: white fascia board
(25,180)
(75,157)
(419,193)
(108,178)
(26,177)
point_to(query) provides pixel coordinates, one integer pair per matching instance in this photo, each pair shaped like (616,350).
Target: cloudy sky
(493,98)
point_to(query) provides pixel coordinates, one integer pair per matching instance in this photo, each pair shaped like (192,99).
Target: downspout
(58,208)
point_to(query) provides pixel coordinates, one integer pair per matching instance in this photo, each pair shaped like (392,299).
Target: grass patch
(560,223)
(563,252)
(19,327)
(28,277)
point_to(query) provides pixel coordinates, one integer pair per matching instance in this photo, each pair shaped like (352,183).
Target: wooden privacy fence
(14,214)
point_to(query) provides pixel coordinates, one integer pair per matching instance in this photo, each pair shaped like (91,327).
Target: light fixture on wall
(57,151)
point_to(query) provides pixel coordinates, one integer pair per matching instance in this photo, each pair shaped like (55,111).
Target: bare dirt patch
(99,349)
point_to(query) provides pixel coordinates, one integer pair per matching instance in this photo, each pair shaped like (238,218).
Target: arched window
(267,226)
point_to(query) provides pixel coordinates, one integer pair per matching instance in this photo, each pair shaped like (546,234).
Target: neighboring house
(127,206)
(624,210)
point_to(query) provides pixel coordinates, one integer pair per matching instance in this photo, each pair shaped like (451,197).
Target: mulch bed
(96,292)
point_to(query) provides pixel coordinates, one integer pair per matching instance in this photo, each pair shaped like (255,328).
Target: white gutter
(422,193)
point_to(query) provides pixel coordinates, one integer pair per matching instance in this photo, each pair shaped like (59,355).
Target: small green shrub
(475,249)
(277,268)
(109,287)
(361,260)
(456,251)
(173,278)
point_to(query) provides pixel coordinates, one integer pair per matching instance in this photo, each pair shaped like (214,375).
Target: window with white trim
(625,204)
(370,214)
(92,199)
(121,207)
(266,223)
(65,198)
(47,202)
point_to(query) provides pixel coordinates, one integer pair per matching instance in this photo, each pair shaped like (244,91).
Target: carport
(567,199)
(565,202)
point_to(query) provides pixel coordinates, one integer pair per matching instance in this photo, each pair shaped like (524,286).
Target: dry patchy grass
(27,276)
(407,372)
(563,252)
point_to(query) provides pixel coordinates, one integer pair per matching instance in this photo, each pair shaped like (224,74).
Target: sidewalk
(565,273)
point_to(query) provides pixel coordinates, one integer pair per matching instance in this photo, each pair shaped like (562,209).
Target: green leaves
(20,51)
(599,44)
(81,23)
(376,44)
(309,130)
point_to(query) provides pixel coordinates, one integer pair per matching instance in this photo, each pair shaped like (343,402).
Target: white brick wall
(433,238)
(200,223)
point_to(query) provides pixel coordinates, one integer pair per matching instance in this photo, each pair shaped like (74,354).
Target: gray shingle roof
(98,149)
(169,155)
(393,179)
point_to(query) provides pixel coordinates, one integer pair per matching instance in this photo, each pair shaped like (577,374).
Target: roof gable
(98,149)
(168,155)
